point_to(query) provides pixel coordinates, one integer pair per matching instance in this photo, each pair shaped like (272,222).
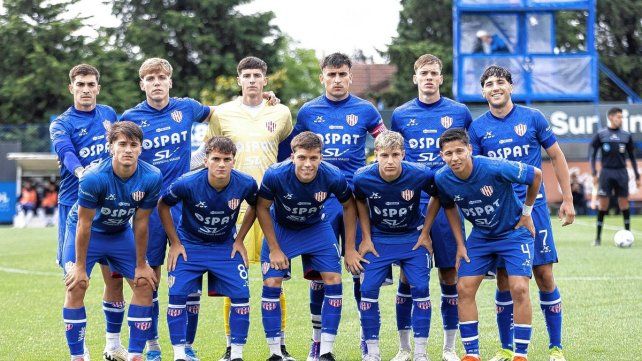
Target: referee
(615,143)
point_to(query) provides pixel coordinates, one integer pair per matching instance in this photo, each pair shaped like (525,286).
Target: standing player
(110,195)
(614,143)
(483,189)
(421,121)
(207,241)
(343,121)
(78,136)
(167,127)
(518,133)
(256,129)
(394,231)
(295,226)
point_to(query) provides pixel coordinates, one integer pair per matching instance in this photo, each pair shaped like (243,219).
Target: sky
(326,26)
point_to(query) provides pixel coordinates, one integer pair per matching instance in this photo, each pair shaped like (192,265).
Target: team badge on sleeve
(233,203)
(352,119)
(407,194)
(177,116)
(138,196)
(270,125)
(320,196)
(106,124)
(520,129)
(487,191)
(446,121)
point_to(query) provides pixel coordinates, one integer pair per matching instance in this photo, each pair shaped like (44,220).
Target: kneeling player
(298,188)
(120,187)
(483,189)
(394,231)
(207,241)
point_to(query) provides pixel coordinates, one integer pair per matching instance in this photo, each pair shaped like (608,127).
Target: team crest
(245,310)
(268,306)
(520,129)
(446,121)
(143,326)
(265,267)
(487,191)
(407,194)
(106,124)
(335,302)
(556,308)
(193,308)
(233,203)
(364,306)
(170,281)
(138,196)
(174,312)
(424,305)
(320,196)
(352,119)
(177,116)
(270,125)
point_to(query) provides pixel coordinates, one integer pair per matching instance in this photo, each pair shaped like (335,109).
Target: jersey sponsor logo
(446,121)
(200,204)
(270,125)
(177,116)
(487,190)
(162,140)
(138,196)
(334,152)
(333,127)
(412,122)
(429,131)
(93,150)
(520,129)
(407,194)
(622,148)
(504,141)
(123,204)
(516,151)
(320,196)
(352,119)
(110,197)
(233,203)
(612,137)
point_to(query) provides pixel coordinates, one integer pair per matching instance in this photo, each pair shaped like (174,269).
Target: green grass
(601,288)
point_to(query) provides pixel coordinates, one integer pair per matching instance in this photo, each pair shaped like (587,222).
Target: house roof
(371,78)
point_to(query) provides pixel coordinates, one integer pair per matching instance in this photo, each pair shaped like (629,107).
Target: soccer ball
(623,238)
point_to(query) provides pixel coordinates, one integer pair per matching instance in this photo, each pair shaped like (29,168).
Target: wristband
(526,210)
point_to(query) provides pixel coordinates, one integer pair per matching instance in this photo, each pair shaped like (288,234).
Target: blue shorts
(316,244)
(227,276)
(545,251)
(157,243)
(63,214)
(333,213)
(444,245)
(117,249)
(415,265)
(516,250)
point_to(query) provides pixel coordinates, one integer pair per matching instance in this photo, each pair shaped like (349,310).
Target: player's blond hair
(155,65)
(428,59)
(389,140)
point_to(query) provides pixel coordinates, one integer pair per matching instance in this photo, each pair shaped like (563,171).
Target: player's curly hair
(126,128)
(153,65)
(453,135)
(336,60)
(389,140)
(428,59)
(220,144)
(498,71)
(306,140)
(83,69)
(251,62)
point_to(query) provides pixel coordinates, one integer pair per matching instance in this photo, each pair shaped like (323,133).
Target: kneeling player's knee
(273,282)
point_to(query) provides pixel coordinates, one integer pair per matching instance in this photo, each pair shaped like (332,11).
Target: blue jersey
(209,216)
(79,139)
(114,199)
(167,132)
(342,125)
(422,124)
(519,136)
(394,206)
(296,204)
(486,198)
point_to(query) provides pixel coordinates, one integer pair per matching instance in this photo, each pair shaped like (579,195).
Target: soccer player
(78,137)
(343,121)
(421,121)
(167,126)
(615,144)
(502,227)
(518,133)
(298,189)
(116,191)
(207,241)
(388,194)
(257,127)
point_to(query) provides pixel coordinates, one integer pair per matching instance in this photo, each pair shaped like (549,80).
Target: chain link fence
(32,137)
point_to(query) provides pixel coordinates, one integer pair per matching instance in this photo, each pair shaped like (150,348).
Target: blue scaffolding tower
(520,35)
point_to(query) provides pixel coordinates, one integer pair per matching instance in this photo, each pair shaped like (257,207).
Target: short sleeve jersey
(209,215)
(486,198)
(114,199)
(298,205)
(394,206)
(83,133)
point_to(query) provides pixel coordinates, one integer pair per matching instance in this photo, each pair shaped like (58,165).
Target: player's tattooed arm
(248,219)
(176,248)
(352,258)
(566,212)
(141,233)
(77,276)
(278,260)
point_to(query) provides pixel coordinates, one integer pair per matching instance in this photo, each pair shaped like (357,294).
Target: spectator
(49,203)
(577,189)
(489,44)
(27,203)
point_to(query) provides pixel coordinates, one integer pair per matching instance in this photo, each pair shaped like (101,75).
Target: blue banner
(7,201)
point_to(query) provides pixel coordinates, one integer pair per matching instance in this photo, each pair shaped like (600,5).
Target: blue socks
(421,312)
(551,304)
(449,313)
(177,319)
(193,307)
(139,319)
(114,315)
(75,320)
(522,339)
(403,306)
(331,310)
(470,337)
(317,293)
(370,316)
(153,333)
(504,309)
(271,311)
(240,320)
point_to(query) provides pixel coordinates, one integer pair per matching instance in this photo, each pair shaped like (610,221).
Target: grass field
(601,288)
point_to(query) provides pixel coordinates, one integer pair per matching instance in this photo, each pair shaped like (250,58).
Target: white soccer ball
(623,238)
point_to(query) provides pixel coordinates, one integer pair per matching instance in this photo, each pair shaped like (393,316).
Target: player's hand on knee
(278,260)
(175,250)
(239,247)
(566,213)
(77,277)
(462,253)
(352,260)
(271,98)
(366,247)
(424,241)
(526,222)
(144,276)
